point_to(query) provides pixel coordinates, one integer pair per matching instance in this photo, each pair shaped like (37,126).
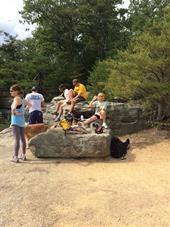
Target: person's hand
(14,112)
(94,98)
(18,113)
(75,99)
(26,108)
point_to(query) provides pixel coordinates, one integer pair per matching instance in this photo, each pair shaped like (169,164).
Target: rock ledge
(54,144)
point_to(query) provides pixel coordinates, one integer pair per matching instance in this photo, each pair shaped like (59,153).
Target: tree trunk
(160,109)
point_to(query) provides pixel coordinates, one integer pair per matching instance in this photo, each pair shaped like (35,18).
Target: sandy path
(80,193)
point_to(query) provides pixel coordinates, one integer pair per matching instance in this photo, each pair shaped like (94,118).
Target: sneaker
(15,159)
(85,126)
(57,119)
(104,125)
(23,157)
(55,113)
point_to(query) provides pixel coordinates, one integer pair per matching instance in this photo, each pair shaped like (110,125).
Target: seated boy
(79,94)
(100,112)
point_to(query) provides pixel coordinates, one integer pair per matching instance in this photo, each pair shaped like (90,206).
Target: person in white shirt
(35,111)
(60,105)
(100,109)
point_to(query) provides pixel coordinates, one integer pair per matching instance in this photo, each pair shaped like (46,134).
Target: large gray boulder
(121,117)
(124,119)
(54,144)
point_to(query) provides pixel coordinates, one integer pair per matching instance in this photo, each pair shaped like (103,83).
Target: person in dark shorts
(100,112)
(37,101)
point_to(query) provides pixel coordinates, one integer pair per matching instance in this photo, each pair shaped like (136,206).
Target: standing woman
(18,121)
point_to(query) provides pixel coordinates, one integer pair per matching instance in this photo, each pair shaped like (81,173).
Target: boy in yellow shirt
(79,94)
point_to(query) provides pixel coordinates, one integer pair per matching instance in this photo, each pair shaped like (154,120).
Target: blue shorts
(35,117)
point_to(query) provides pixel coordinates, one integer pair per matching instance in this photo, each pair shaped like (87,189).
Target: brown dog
(35,129)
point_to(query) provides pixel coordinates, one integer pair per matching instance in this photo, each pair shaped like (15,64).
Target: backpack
(118,149)
(97,127)
(65,124)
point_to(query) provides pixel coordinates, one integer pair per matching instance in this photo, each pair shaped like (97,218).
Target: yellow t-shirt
(80,88)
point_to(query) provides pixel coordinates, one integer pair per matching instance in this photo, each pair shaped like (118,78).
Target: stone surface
(54,144)
(124,119)
(121,117)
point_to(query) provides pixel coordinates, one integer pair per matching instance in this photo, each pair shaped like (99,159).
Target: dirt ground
(78,193)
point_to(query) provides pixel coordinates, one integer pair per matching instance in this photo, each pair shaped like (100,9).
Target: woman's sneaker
(23,157)
(55,113)
(15,159)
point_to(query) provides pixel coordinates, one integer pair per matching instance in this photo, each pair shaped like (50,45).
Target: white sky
(9,18)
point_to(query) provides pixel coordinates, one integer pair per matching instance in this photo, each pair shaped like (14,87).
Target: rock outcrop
(54,144)
(124,119)
(121,117)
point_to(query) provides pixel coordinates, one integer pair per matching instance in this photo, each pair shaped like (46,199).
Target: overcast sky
(9,18)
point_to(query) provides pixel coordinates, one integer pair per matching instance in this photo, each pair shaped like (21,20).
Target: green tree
(141,13)
(142,72)
(20,62)
(73,35)
(12,61)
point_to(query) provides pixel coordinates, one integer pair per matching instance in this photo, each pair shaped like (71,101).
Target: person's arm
(42,101)
(16,102)
(42,104)
(91,104)
(62,94)
(27,104)
(77,95)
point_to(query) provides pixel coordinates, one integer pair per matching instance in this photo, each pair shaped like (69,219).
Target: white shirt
(100,105)
(35,99)
(66,91)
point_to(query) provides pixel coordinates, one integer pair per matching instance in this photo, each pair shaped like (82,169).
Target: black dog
(118,149)
(98,128)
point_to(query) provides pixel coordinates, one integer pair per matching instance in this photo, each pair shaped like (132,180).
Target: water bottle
(82,117)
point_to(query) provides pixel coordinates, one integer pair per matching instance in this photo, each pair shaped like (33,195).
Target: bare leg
(60,112)
(61,109)
(72,105)
(90,120)
(103,115)
(58,105)
(71,95)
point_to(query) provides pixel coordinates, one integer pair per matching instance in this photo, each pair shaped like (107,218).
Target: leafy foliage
(75,34)
(123,52)
(142,13)
(142,72)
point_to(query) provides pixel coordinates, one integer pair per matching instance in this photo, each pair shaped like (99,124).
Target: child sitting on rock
(100,112)
(60,105)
